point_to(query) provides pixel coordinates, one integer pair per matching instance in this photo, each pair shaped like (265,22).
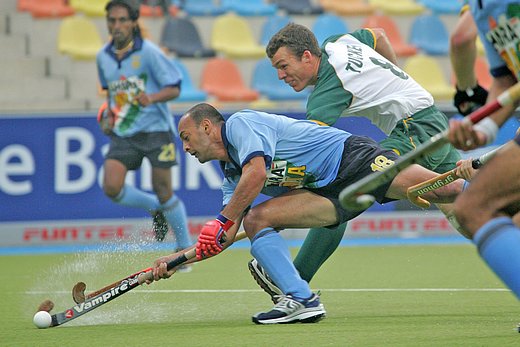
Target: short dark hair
(131,5)
(202,111)
(297,38)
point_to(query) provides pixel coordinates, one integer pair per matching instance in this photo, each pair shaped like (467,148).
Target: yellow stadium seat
(398,7)
(428,73)
(93,8)
(79,38)
(480,48)
(232,36)
(348,7)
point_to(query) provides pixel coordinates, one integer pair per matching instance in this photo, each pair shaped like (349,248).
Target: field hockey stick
(356,197)
(123,287)
(414,192)
(78,291)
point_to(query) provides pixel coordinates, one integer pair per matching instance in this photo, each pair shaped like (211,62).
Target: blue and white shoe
(291,310)
(264,281)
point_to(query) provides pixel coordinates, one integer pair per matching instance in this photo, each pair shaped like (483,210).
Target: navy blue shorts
(158,147)
(361,157)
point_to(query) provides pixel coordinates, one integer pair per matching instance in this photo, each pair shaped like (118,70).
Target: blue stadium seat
(272,25)
(429,34)
(250,7)
(181,37)
(328,24)
(189,93)
(265,80)
(202,8)
(442,6)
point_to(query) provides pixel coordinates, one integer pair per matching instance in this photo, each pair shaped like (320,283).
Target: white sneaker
(291,310)
(264,281)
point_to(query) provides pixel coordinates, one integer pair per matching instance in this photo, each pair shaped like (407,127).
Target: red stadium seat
(401,48)
(222,79)
(50,9)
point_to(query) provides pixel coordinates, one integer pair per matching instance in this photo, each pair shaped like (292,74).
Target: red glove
(211,237)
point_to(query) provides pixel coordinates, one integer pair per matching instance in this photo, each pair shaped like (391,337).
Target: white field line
(332,290)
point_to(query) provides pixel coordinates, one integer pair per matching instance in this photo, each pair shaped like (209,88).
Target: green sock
(318,246)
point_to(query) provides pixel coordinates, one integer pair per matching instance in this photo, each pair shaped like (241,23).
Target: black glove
(467,101)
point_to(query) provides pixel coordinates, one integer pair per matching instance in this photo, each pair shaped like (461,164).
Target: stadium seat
(222,79)
(203,8)
(328,24)
(299,7)
(272,25)
(232,36)
(348,7)
(401,48)
(398,7)
(481,51)
(79,38)
(23,5)
(181,37)
(93,8)
(156,11)
(250,7)
(189,93)
(265,80)
(50,9)
(442,6)
(427,71)
(429,34)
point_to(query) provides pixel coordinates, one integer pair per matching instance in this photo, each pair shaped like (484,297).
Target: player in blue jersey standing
(486,209)
(140,80)
(303,166)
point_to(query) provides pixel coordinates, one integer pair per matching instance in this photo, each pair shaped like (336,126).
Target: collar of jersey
(138,45)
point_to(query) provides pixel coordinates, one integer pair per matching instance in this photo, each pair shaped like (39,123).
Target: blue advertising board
(51,169)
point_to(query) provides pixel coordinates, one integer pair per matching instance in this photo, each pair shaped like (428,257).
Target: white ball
(365,201)
(42,319)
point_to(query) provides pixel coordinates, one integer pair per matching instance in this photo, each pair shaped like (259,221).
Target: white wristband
(489,128)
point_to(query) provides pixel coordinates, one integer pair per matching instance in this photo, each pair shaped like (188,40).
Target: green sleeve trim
(366,36)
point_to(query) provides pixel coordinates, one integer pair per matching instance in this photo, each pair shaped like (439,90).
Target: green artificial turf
(374,296)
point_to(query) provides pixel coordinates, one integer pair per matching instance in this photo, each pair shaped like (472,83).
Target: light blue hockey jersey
(298,153)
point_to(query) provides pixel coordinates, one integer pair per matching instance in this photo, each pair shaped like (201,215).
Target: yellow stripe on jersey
(319,122)
(405,122)
(373,35)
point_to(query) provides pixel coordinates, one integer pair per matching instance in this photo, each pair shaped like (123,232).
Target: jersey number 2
(167,152)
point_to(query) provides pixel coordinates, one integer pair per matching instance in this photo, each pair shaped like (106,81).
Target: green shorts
(417,129)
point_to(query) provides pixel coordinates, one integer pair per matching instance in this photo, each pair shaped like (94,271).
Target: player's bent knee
(254,220)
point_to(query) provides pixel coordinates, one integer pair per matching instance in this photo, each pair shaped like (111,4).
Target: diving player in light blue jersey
(488,209)
(140,80)
(303,166)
